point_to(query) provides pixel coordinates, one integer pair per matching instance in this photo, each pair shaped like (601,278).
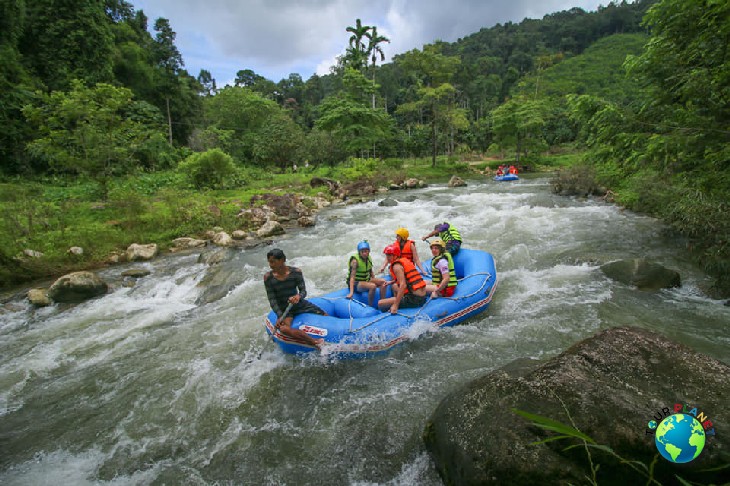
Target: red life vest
(414,281)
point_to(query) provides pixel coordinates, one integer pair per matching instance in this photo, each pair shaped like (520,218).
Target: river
(143,386)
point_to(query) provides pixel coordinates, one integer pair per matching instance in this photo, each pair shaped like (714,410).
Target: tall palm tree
(357,51)
(374,41)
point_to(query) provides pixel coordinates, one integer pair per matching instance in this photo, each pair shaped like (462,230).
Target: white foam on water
(63,467)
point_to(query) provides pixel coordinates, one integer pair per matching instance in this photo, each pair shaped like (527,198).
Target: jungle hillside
(108,140)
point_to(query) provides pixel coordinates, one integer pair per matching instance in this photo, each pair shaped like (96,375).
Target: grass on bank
(52,214)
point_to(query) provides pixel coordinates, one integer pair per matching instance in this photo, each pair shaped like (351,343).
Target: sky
(275,38)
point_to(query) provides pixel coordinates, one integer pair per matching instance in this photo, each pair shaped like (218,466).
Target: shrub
(213,169)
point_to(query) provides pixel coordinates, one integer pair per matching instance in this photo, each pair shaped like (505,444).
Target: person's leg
(285,328)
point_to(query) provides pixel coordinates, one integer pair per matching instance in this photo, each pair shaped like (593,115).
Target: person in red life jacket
(360,276)
(500,171)
(443,280)
(409,289)
(407,249)
(285,285)
(513,169)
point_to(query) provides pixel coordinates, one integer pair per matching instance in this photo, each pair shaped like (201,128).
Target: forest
(103,123)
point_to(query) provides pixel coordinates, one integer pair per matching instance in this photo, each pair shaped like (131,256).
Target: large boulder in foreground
(610,386)
(77,287)
(642,274)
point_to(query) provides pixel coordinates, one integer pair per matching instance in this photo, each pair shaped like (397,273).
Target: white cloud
(278,37)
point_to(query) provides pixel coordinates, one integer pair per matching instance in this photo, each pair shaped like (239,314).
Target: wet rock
(270,228)
(388,202)
(39,297)
(185,242)
(456,181)
(136,273)
(222,239)
(643,274)
(76,287)
(609,386)
(137,252)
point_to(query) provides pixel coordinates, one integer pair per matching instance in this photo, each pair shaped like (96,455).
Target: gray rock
(388,202)
(76,287)
(39,297)
(610,386)
(136,272)
(137,252)
(642,274)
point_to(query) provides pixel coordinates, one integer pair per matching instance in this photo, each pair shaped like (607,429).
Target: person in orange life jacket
(407,249)
(360,273)
(409,289)
(285,285)
(513,169)
(449,234)
(442,271)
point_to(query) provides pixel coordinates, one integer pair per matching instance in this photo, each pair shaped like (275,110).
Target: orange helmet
(392,249)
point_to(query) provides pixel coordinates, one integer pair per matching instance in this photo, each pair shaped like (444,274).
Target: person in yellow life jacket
(449,234)
(360,275)
(407,249)
(409,288)
(443,277)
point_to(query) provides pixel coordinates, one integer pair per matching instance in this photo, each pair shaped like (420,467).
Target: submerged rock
(643,274)
(609,386)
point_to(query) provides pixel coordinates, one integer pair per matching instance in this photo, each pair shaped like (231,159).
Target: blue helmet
(363,245)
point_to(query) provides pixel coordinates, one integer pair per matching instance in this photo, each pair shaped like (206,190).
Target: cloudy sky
(277,37)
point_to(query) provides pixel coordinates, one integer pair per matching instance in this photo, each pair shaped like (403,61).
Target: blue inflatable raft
(507,177)
(353,329)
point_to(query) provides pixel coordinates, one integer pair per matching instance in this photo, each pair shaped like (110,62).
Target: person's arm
(353,269)
(271,295)
(416,258)
(298,277)
(400,277)
(432,233)
(443,267)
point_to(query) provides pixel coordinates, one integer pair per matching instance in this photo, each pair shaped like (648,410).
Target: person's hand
(435,294)
(393,309)
(349,296)
(294,299)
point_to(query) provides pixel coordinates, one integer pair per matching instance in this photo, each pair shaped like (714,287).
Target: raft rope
(416,315)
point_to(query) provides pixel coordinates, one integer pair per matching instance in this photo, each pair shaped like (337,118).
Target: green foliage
(598,71)
(279,143)
(88,131)
(213,169)
(244,114)
(572,433)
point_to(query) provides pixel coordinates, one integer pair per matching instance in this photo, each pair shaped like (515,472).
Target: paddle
(283,315)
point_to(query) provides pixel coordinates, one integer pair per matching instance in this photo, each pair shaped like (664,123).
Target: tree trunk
(169,120)
(433,140)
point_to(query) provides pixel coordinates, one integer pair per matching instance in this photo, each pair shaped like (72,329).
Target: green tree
(349,118)
(374,50)
(242,114)
(436,95)
(94,132)
(356,55)
(64,40)
(207,81)
(520,122)
(279,142)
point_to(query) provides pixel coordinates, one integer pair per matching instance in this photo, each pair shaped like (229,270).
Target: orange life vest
(414,281)
(406,251)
